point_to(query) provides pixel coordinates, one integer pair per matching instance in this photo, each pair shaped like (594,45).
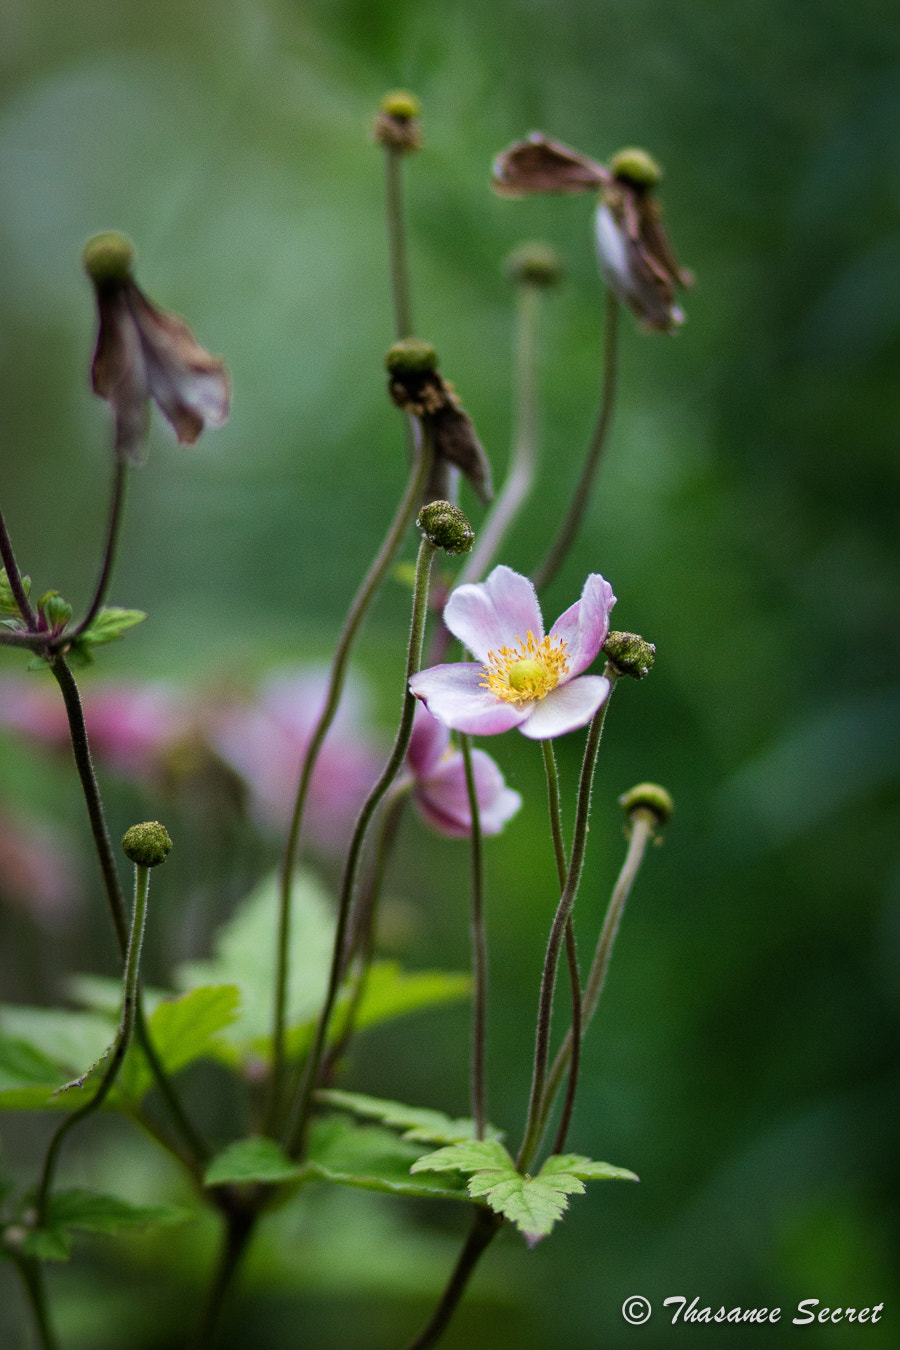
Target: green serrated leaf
(182,1030)
(91,1212)
(417,1123)
(469,1155)
(372,1158)
(42,1049)
(585,1169)
(533,1204)
(255,1159)
(28,1078)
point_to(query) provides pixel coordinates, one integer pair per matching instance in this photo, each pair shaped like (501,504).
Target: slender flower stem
(396,231)
(479,949)
(240,1222)
(196,1148)
(568,530)
(532,1137)
(113,531)
(643,830)
(33,1278)
(122,1042)
(14,577)
(485,1226)
(300,1111)
(523,456)
(363,599)
(571,950)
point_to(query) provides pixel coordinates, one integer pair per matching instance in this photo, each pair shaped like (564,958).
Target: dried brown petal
(539,164)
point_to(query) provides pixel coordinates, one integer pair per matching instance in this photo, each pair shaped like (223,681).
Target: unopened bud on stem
(534,265)
(397,124)
(648,799)
(630,654)
(445,526)
(147,844)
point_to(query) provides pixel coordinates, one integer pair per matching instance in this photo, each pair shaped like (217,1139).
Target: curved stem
(120,1047)
(523,456)
(363,599)
(485,1226)
(14,577)
(642,832)
(532,1137)
(197,1150)
(33,1278)
(113,531)
(571,950)
(240,1222)
(568,530)
(348,886)
(479,949)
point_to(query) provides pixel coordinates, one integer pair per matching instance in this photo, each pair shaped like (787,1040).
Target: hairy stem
(14,577)
(240,1222)
(532,1136)
(479,949)
(33,1279)
(571,522)
(348,886)
(113,531)
(396,232)
(363,599)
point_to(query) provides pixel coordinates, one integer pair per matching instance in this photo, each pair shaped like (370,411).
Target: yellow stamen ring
(527,671)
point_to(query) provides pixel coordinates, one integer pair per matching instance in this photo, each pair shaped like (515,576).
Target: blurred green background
(744,1061)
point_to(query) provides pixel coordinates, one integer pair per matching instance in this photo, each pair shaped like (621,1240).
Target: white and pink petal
(566,708)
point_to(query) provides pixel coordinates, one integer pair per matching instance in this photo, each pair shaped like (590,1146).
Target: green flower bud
(630,654)
(649,798)
(411,356)
(108,257)
(636,166)
(534,265)
(148,844)
(397,124)
(445,526)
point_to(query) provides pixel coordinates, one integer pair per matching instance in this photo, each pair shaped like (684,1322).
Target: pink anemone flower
(439,783)
(520,677)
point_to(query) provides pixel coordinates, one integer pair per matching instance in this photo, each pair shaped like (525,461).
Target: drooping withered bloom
(416,385)
(634,252)
(145,353)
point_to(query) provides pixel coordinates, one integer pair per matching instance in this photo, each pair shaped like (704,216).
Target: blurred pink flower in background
(439,779)
(37,868)
(130,726)
(264,742)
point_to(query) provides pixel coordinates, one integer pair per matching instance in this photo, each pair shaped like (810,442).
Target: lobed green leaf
(419,1123)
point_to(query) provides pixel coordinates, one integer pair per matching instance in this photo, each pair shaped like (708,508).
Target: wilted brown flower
(539,164)
(635,255)
(144,353)
(416,385)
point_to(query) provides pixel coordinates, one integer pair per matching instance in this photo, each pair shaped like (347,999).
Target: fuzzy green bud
(147,844)
(411,356)
(635,166)
(445,526)
(649,798)
(108,257)
(630,654)
(534,265)
(400,103)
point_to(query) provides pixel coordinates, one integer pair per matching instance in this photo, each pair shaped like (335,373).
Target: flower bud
(647,798)
(108,257)
(630,654)
(148,844)
(445,526)
(397,124)
(534,265)
(635,166)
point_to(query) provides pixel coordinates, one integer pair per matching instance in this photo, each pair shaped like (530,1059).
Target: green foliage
(253,1159)
(182,1030)
(533,1204)
(8,603)
(90,1212)
(417,1123)
(108,626)
(374,1159)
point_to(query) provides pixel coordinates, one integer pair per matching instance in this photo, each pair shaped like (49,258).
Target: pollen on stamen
(527,671)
